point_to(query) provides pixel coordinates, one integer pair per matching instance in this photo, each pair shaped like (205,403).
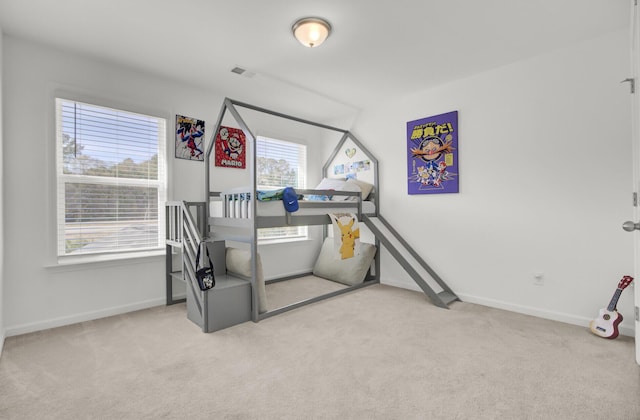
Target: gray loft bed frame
(245,229)
(290,219)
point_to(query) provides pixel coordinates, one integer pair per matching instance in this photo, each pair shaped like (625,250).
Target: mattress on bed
(275,208)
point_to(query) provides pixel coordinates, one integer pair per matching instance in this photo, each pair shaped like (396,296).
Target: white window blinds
(110,177)
(280,164)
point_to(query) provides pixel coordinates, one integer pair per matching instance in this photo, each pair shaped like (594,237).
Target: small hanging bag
(206,279)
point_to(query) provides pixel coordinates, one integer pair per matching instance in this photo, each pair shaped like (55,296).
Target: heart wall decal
(350,152)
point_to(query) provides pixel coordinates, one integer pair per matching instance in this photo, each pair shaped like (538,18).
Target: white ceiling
(377,50)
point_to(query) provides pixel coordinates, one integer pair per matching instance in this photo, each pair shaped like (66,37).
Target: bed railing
(236,204)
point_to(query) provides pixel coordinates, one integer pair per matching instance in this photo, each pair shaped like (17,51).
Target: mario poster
(432,154)
(230,148)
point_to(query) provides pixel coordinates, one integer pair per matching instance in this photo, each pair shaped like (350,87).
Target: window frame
(161,184)
(302,231)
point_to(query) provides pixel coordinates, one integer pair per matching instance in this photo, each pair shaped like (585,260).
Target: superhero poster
(230,148)
(189,138)
(432,154)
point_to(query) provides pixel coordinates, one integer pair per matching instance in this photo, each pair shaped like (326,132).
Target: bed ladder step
(410,261)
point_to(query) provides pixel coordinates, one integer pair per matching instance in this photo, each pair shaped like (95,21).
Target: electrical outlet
(538,279)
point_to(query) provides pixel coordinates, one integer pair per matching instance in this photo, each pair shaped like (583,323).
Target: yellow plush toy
(348,239)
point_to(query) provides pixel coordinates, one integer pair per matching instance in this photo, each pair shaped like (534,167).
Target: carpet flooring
(377,353)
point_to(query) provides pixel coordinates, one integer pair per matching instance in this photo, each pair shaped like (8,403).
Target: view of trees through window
(280,164)
(95,202)
(76,162)
(276,172)
(110,182)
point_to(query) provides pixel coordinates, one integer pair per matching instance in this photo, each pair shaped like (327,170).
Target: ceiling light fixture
(311,31)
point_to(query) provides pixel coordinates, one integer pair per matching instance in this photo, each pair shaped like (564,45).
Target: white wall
(545,183)
(38,294)
(2,325)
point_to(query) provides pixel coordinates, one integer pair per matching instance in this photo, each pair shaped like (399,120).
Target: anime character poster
(432,154)
(230,148)
(189,138)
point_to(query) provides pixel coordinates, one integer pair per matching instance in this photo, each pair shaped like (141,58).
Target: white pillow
(239,262)
(350,271)
(326,184)
(348,186)
(365,187)
(330,184)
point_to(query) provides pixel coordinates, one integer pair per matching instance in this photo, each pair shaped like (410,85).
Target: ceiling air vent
(242,72)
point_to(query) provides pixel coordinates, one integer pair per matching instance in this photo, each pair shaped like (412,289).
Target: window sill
(85,262)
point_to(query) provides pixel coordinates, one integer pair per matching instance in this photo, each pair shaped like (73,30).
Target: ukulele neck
(614,300)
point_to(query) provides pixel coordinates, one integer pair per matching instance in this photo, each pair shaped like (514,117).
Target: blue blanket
(272,195)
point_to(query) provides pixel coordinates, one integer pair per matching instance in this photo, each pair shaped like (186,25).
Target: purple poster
(432,154)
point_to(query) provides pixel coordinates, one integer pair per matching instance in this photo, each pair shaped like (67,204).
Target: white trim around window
(111,182)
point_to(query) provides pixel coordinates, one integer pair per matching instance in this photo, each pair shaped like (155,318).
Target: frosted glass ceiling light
(311,31)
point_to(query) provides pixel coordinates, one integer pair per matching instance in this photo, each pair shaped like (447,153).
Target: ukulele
(606,325)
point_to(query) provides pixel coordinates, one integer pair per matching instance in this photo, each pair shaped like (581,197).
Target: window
(280,164)
(110,177)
